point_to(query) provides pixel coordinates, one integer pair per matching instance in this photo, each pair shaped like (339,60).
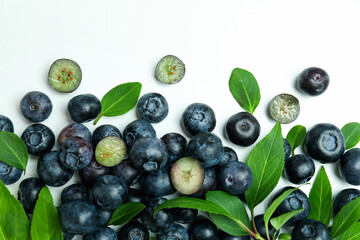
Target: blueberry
(102,234)
(136,195)
(313,81)
(126,171)
(137,129)
(175,231)
(209,183)
(133,230)
(79,217)
(84,108)
(170,70)
(104,131)
(75,191)
(226,236)
(229,156)
(38,139)
(309,229)
(157,182)
(152,107)
(296,200)
(74,130)
(176,145)
(344,197)
(299,168)
(184,215)
(65,75)
(350,166)
(148,154)
(91,172)
(325,142)
(6,124)
(260,227)
(9,174)
(68,236)
(203,229)
(104,217)
(284,108)
(235,177)
(287,149)
(242,129)
(110,151)
(75,153)
(28,192)
(197,118)
(50,170)
(36,106)
(207,148)
(109,192)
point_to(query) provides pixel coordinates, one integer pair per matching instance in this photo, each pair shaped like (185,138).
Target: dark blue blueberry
(79,217)
(184,215)
(313,81)
(209,183)
(109,192)
(175,232)
(296,200)
(28,192)
(133,231)
(309,229)
(66,235)
(75,153)
(148,154)
(152,107)
(6,124)
(197,118)
(75,191)
(163,218)
(9,174)
(260,227)
(36,106)
(137,129)
(176,145)
(325,142)
(84,108)
(104,131)
(136,195)
(299,168)
(229,156)
(104,217)
(91,172)
(207,148)
(350,166)
(126,171)
(287,149)
(102,234)
(203,229)
(235,177)
(344,197)
(242,129)
(157,182)
(38,139)
(226,236)
(50,170)
(74,130)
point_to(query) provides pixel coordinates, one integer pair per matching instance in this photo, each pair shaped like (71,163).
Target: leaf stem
(246,228)
(97,119)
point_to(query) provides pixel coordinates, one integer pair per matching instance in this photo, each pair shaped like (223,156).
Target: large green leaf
(125,213)
(351,133)
(296,136)
(353,233)
(13,150)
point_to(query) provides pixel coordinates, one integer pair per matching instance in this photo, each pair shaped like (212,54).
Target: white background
(121,41)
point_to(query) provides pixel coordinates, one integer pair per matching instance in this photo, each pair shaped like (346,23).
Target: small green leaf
(14,223)
(45,223)
(234,207)
(245,89)
(346,217)
(279,221)
(126,212)
(284,236)
(320,198)
(351,133)
(13,150)
(119,100)
(266,161)
(353,233)
(296,137)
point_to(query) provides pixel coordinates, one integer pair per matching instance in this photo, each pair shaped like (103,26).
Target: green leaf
(320,198)
(296,137)
(234,207)
(284,236)
(351,133)
(279,221)
(119,100)
(346,217)
(45,222)
(266,161)
(13,150)
(126,212)
(14,223)
(353,233)
(245,89)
